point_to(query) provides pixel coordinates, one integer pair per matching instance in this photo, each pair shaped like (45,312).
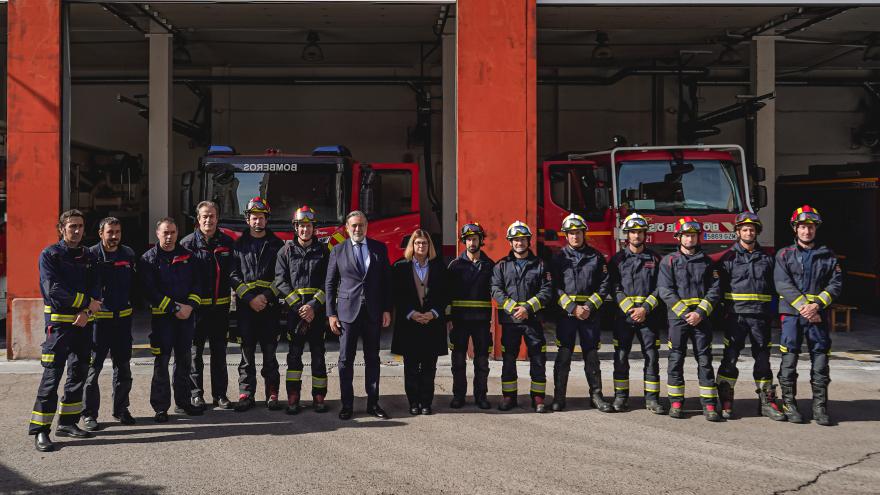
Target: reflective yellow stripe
(78,299)
(706,306)
(564,300)
(782,348)
(47,309)
(708,392)
(294,375)
(222,300)
(508,305)
(535,304)
(725,341)
(41,418)
(322,297)
(538,387)
(508,386)
(319,382)
(669,344)
(675,390)
(730,380)
(155,351)
(626,304)
(163,306)
(62,318)
(736,296)
(652,301)
(292,298)
(70,408)
(798,303)
(614,342)
(242,289)
(47,358)
(463,303)
(652,386)
(621,384)
(596,300)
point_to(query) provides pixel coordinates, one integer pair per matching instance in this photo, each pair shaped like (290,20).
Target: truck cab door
(389,194)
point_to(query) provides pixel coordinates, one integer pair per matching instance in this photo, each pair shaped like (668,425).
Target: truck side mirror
(186,193)
(759,174)
(759,197)
(368,176)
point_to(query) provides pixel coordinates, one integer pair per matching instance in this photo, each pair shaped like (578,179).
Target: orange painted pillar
(497,119)
(33,149)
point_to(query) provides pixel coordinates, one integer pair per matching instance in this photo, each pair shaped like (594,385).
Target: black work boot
(538,404)
(711,413)
(293,406)
(507,403)
(820,405)
(725,396)
(655,406)
(594,380)
(675,408)
(767,402)
(245,402)
(43,443)
(621,403)
(561,370)
(789,404)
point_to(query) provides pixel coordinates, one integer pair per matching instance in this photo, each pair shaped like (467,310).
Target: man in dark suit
(358,288)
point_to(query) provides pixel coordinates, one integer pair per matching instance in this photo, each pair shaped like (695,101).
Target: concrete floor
(464,451)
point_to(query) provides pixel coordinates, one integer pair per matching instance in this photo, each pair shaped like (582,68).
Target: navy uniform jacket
(470,288)
(579,279)
(169,278)
(300,274)
(529,287)
(215,263)
(68,281)
(634,280)
(747,280)
(117,277)
(823,287)
(688,283)
(253,273)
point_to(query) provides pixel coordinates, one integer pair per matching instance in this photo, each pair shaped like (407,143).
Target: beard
(473,249)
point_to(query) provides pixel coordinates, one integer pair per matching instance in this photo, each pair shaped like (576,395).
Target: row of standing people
(187,286)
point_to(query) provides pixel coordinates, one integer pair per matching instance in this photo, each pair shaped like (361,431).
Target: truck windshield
(690,186)
(323,190)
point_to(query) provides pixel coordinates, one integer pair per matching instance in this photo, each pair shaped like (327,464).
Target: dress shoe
(483,403)
(345,413)
(507,404)
(272,403)
(161,417)
(223,402)
(378,412)
(198,402)
(457,403)
(43,443)
(188,410)
(427,411)
(125,418)
(245,402)
(90,424)
(72,431)
(319,405)
(414,409)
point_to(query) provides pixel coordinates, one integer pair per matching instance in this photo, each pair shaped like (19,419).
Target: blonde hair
(419,234)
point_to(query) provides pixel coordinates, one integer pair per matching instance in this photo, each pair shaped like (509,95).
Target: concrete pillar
(763,78)
(33,156)
(160,145)
(497,116)
(450,203)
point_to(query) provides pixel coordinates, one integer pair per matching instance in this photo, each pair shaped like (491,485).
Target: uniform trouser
(258,328)
(68,344)
(738,328)
(536,345)
(794,329)
(111,336)
(478,331)
(568,328)
(368,331)
(649,340)
(418,379)
(212,326)
(314,336)
(170,335)
(701,339)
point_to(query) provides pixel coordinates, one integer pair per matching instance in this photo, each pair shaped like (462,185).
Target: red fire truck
(664,183)
(329,180)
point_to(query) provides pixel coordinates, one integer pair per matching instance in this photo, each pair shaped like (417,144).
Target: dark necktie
(359,258)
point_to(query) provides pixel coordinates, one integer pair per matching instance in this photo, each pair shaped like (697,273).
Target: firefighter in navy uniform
(808,278)
(213,250)
(253,276)
(171,284)
(634,271)
(470,278)
(580,282)
(299,276)
(691,288)
(521,286)
(71,295)
(747,283)
(112,327)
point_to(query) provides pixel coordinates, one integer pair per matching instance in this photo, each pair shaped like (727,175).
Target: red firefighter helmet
(805,214)
(257,205)
(304,214)
(687,225)
(748,218)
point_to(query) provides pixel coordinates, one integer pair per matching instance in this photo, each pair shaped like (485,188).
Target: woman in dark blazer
(420,300)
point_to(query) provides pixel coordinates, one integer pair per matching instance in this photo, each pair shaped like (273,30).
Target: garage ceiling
(392,37)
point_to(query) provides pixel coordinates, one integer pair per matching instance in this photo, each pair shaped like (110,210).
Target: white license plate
(719,236)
